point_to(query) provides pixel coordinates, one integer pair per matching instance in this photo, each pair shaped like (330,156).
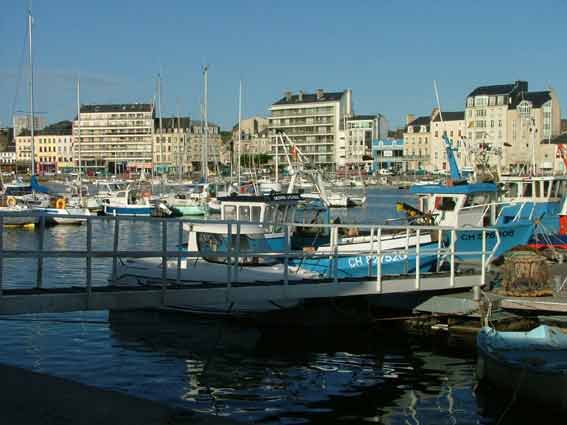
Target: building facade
(109,137)
(53,148)
(355,142)
(417,143)
(179,146)
(388,154)
(452,123)
(513,124)
(255,138)
(313,121)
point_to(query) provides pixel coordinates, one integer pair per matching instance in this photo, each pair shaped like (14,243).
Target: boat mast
(160,120)
(79,132)
(239,142)
(32,126)
(178,142)
(277,158)
(205,147)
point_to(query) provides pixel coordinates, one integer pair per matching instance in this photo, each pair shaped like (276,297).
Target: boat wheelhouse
(475,205)
(535,197)
(130,202)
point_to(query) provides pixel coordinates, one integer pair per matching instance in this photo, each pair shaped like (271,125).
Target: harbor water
(270,375)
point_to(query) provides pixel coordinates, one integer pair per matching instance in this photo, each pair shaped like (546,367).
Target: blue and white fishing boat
(260,229)
(128,202)
(531,364)
(474,205)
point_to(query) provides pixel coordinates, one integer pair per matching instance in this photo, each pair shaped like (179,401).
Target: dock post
(180,245)
(379,262)
(163,259)
(39,276)
(371,251)
(229,257)
(237,252)
(89,258)
(452,265)
(115,247)
(286,258)
(417,259)
(1,255)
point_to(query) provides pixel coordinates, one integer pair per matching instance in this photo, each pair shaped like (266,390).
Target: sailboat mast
(79,131)
(238,146)
(205,165)
(32,124)
(160,120)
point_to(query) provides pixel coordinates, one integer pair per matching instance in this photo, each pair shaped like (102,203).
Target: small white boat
(531,364)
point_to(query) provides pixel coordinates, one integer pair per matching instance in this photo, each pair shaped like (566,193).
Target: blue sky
(388,52)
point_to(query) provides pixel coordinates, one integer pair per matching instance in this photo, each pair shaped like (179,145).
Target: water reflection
(278,375)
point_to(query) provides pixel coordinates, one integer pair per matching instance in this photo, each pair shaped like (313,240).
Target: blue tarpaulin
(36,187)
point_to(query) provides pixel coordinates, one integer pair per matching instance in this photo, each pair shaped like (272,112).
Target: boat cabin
(214,240)
(128,197)
(471,204)
(533,188)
(275,209)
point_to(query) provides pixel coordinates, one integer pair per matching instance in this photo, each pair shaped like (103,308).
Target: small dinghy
(531,365)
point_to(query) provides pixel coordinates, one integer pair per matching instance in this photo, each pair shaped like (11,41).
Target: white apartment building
(355,143)
(313,121)
(108,137)
(8,157)
(513,123)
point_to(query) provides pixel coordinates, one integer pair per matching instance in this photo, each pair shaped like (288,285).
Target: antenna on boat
(239,141)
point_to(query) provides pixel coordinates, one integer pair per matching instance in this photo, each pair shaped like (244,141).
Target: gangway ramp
(39,297)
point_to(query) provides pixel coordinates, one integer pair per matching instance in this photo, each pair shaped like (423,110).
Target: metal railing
(374,246)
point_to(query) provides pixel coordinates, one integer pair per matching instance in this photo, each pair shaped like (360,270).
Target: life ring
(60,204)
(11,201)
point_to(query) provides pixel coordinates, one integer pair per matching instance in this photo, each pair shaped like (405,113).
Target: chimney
(300,97)
(319,94)
(409,118)
(288,96)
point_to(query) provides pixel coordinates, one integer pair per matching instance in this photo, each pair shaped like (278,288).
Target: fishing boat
(189,199)
(128,202)
(531,365)
(260,230)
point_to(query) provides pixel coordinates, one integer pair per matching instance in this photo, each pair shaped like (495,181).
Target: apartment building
(53,148)
(417,142)
(178,148)
(513,124)
(255,138)
(117,136)
(355,142)
(313,121)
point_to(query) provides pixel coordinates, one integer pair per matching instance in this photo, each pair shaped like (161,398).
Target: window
(229,212)
(244,213)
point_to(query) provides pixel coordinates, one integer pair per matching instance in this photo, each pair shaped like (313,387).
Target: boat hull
(144,211)
(191,210)
(533,369)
